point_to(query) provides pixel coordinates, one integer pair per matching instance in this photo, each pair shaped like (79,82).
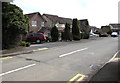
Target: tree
(14,23)
(67,32)
(106,29)
(54,34)
(85,29)
(75,30)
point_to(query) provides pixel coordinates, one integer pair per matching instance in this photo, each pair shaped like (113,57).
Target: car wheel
(38,41)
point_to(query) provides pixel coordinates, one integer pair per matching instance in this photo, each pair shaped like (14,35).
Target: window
(34,23)
(42,24)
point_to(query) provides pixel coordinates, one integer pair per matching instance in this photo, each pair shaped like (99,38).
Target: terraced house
(36,22)
(54,20)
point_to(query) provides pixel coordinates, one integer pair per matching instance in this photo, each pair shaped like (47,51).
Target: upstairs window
(34,23)
(42,24)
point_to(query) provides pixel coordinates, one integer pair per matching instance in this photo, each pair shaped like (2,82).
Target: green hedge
(26,44)
(85,35)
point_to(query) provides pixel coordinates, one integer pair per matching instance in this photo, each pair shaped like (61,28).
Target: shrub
(75,30)
(48,39)
(54,34)
(26,44)
(14,24)
(86,36)
(67,32)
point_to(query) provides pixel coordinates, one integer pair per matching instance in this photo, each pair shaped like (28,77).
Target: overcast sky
(98,12)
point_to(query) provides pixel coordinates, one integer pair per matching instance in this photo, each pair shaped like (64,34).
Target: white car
(92,34)
(114,34)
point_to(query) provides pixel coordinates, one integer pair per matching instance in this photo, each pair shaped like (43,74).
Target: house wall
(48,22)
(60,25)
(39,20)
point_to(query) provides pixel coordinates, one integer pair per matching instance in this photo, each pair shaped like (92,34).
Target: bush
(14,24)
(85,35)
(75,30)
(48,39)
(67,32)
(77,37)
(54,34)
(26,44)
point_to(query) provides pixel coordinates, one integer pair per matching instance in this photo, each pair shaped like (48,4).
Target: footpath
(109,73)
(19,50)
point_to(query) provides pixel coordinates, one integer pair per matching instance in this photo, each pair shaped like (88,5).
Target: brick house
(51,20)
(36,22)
(61,23)
(54,20)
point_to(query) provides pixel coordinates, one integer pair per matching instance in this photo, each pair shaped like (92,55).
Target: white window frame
(34,23)
(42,24)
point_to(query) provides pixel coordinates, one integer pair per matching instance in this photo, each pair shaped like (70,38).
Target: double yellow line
(77,78)
(39,49)
(5,58)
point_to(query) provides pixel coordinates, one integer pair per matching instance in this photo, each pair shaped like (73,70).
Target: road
(61,61)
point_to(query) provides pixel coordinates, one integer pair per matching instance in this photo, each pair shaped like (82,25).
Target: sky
(98,12)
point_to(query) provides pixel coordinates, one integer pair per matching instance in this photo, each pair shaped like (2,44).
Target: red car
(36,37)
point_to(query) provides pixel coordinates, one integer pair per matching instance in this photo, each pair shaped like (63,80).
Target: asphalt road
(61,61)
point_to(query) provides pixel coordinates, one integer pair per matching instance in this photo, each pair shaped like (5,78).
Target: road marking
(17,69)
(115,60)
(6,58)
(113,56)
(77,78)
(81,78)
(72,52)
(39,49)
(34,45)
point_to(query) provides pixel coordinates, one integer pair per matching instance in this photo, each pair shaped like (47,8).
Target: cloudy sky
(98,12)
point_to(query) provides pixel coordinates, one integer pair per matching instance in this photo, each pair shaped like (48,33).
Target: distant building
(115,27)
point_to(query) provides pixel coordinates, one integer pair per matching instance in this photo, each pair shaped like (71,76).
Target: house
(51,20)
(115,27)
(45,30)
(61,23)
(94,29)
(36,22)
(54,20)
(84,25)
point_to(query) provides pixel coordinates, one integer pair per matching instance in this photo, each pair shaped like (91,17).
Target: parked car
(36,37)
(114,34)
(92,34)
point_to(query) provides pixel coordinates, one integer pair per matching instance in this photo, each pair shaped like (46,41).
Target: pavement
(109,73)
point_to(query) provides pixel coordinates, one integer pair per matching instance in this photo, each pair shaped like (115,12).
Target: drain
(32,60)
(28,59)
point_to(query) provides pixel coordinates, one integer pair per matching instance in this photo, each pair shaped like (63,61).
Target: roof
(116,25)
(30,15)
(84,21)
(52,17)
(64,20)
(56,19)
